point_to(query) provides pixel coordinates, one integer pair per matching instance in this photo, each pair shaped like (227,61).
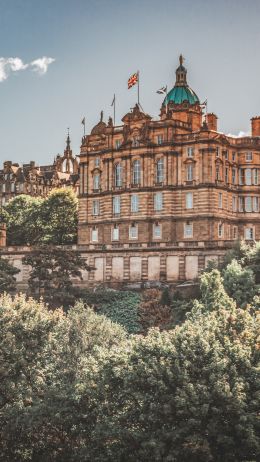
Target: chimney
(212,121)
(2,235)
(255,125)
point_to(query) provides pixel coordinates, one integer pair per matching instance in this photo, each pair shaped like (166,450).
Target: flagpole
(114,109)
(166,89)
(138,90)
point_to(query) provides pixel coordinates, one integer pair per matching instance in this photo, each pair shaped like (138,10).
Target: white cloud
(41,65)
(8,65)
(241,134)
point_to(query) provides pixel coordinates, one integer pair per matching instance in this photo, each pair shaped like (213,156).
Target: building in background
(36,180)
(173,191)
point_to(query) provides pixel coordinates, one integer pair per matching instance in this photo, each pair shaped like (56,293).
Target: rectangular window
(96,181)
(233,176)
(160,139)
(220,230)
(97,162)
(234,232)
(220,200)
(94,235)
(241,176)
(248,204)
(225,154)
(189,200)
(217,173)
(136,141)
(133,231)
(217,152)
(249,156)
(241,204)
(188,230)
(234,203)
(158,201)
(116,205)
(189,172)
(233,156)
(157,231)
(95,207)
(255,176)
(118,144)
(226,175)
(249,234)
(255,204)
(115,233)
(248,176)
(190,151)
(134,203)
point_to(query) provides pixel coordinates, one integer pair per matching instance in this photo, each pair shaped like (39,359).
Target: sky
(63,60)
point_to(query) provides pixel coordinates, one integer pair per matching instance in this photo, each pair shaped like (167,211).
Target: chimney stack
(212,123)
(255,125)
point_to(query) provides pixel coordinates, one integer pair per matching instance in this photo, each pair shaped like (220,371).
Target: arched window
(96,181)
(136,172)
(118,175)
(159,171)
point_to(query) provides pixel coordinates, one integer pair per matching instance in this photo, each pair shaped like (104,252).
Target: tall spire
(68,141)
(181,73)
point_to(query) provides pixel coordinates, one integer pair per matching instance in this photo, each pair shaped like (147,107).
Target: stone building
(159,198)
(39,180)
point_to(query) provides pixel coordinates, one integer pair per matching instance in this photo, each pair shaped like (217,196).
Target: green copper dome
(181,91)
(178,95)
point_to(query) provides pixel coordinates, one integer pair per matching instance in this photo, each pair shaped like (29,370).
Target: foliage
(165,297)
(185,395)
(119,306)
(7,276)
(59,215)
(240,283)
(153,313)
(52,270)
(52,220)
(22,215)
(75,388)
(213,294)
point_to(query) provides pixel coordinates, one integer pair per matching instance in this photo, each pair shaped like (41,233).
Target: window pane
(159,171)
(116,204)
(118,175)
(158,201)
(248,176)
(189,200)
(136,172)
(134,203)
(188,230)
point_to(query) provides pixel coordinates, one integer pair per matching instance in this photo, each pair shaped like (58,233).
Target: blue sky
(98,44)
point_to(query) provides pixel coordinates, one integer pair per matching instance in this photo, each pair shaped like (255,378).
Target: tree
(52,271)
(240,283)
(153,313)
(7,276)
(23,219)
(26,327)
(59,217)
(190,394)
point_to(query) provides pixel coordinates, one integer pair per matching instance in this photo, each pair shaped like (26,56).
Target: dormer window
(249,156)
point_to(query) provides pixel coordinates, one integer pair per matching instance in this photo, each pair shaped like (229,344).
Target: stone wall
(129,267)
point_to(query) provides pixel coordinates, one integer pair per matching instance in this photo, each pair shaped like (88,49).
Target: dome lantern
(181,92)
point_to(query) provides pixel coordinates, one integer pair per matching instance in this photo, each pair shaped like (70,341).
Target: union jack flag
(133,80)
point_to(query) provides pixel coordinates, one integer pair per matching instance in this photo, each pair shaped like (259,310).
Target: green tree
(7,276)
(23,219)
(240,283)
(53,270)
(59,217)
